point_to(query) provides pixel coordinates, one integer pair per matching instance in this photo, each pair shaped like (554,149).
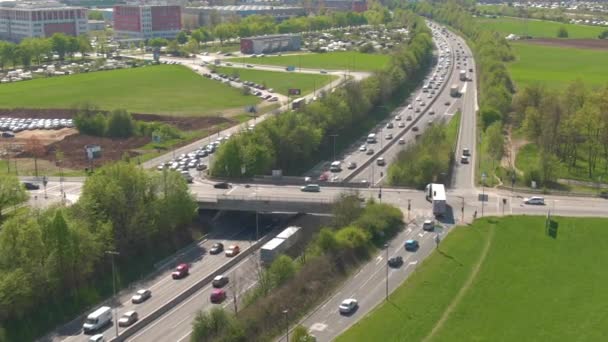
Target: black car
(222,185)
(31,186)
(395,261)
(217,248)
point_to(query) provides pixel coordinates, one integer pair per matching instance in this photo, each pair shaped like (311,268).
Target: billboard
(294,91)
(92,151)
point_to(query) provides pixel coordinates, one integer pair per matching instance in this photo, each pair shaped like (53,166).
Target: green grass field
(281,81)
(538,28)
(354,61)
(557,66)
(166,89)
(533,285)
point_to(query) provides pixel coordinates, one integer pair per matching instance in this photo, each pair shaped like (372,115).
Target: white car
(348,306)
(141,296)
(535,200)
(363,148)
(97,338)
(127,319)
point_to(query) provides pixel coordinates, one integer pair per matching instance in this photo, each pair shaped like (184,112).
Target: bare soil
(72,144)
(594,44)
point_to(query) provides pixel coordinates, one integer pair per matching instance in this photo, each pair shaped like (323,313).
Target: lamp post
(334,136)
(483,191)
(386,248)
(285,312)
(112,254)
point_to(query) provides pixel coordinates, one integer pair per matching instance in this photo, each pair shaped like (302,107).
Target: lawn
(533,285)
(165,89)
(557,66)
(538,28)
(354,61)
(281,81)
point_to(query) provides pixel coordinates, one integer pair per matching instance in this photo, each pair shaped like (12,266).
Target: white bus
(436,194)
(371,138)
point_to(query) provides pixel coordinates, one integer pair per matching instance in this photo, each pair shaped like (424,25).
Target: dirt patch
(512,147)
(185,123)
(594,44)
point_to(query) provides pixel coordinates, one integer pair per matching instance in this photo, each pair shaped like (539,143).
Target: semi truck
(463,75)
(454,91)
(282,242)
(436,194)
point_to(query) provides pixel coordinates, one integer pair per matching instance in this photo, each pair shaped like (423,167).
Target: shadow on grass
(449,257)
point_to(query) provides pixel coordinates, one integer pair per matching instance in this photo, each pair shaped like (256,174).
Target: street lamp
(285,312)
(483,191)
(386,248)
(334,136)
(112,254)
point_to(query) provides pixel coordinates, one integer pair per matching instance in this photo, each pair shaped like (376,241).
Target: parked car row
(255,89)
(16,125)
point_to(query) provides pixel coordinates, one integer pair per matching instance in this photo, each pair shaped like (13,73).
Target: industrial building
(41,19)
(205,15)
(334,5)
(271,43)
(143,21)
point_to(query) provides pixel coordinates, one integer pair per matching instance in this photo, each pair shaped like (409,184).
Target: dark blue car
(411,245)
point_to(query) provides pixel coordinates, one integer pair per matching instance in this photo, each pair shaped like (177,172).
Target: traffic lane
(164,287)
(368,286)
(176,325)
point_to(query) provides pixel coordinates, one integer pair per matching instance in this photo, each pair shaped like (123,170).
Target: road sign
(294,91)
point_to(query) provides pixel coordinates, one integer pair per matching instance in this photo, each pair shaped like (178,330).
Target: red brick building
(147,21)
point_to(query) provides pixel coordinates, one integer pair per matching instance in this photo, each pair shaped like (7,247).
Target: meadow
(348,60)
(163,89)
(557,66)
(281,82)
(539,28)
(502,279)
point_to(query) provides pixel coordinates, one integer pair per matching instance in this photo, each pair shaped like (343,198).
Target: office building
(147,21)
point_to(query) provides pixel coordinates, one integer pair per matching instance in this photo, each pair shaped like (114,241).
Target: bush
(120,124)
(562,32)
(90,123)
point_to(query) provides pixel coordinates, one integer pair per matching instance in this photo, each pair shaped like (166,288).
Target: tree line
(33,51)
(570,128)
(119,124)
(53,262)
(293,140)
(492,52)
(354,234)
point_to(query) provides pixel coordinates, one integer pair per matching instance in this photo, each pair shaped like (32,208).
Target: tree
(12,192)
(225,31)
(120,124)
(60,44)
(281,270)
(300,334)
(84,45)
(495,141)
(8,53)
(35,148)
(562,32)
(603,35)
(181,38)
(346,209)
(158,42)
(95,15)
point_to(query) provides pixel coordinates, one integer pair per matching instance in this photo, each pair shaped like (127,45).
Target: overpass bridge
(269,204)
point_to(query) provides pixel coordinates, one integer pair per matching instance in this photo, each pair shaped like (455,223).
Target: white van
(371,138)
(97,338)
(97,319)
(335,166)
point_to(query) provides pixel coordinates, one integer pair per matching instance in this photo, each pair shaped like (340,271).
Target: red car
(217,296)
(180,272)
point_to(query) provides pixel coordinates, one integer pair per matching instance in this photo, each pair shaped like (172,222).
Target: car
(201,167)
(464,160)
(311,187)
(216,248)
(415,129)
(428,225)
(219,281)
(217,296)
(389,136)
(97,338)
(537,200)
(409,106)
(389,125)
(323,71)
(466,151)
(180,271)
(422,104)
(401,141)
(222,185)
(409,118)
(431,112)
(31,186)
(352,165)
(401,124)
(411,245)
(363,148)
(348,305)
(395,261)
(398,117)
(370,152)
(249,66)
(447,103)
(232,250)
(273,99)
(417,110)
(127,319)
(380,161)
(141,296)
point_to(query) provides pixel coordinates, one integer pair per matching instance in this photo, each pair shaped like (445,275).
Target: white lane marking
(184,337)
(415,262)
(180,322)
(231,190)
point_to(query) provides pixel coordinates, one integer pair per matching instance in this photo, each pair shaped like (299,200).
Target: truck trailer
(282,242)
(436,194)
(463,75)
(454,91)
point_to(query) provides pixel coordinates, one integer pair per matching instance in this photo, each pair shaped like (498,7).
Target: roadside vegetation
(348,60)
(53,262)
(429,159)
(337,250)
(539,28)
(291,142)
(281,82)
(162,89)
(558,65)
(478,280)
(492,52)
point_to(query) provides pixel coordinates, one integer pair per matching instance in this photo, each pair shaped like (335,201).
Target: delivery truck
(463,75)
(454,91)
(436,194)
(281,243)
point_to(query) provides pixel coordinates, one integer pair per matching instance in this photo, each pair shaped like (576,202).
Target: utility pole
(462,209)
(386,247)
(112,254)
(409,208)
(334,136)
(257,226)
(483,192)
(285,312)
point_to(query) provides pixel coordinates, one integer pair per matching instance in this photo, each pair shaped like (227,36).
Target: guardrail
(140,324)
(406,130)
